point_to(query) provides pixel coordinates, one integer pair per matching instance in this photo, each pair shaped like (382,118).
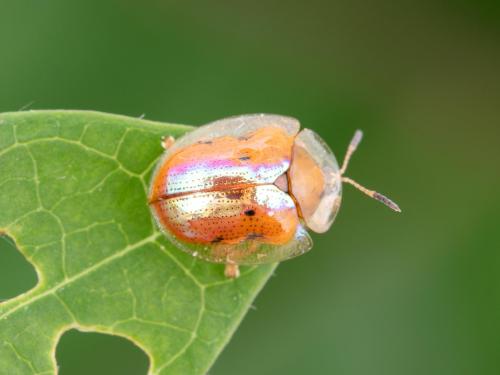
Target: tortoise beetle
(244,190)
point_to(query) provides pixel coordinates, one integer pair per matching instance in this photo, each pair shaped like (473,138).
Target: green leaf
(73,197)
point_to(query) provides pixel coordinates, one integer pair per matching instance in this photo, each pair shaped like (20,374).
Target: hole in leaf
(17,275)
(82,353)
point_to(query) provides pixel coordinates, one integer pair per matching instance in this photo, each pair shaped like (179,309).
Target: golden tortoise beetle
(244,190)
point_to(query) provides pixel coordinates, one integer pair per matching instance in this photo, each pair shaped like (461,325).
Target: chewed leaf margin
(73,188)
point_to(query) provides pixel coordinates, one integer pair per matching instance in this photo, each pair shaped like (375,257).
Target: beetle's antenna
(356,139)
(358,136)
(373,194)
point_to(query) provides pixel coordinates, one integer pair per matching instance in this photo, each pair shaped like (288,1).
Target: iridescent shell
(241,190)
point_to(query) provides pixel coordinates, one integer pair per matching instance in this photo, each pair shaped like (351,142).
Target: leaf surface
(73,188)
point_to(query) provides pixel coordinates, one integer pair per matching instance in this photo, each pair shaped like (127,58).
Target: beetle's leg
(167,142)
(232,270)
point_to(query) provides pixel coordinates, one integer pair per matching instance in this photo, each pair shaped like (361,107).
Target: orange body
(223,191)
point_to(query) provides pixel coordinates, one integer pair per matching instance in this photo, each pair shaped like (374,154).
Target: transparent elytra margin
(236,126)
(318,213)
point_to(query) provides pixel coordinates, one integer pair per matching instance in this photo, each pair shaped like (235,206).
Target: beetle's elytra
(243,190)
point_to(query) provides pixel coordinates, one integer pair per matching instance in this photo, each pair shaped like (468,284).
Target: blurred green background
(417,293)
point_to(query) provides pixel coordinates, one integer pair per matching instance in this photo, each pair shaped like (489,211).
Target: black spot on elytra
(205,142)
(218,239)
(244,158)
(250,212)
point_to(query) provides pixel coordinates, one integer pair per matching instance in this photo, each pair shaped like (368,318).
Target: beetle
(244,190)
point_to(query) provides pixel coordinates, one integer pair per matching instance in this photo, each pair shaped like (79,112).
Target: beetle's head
(315,180)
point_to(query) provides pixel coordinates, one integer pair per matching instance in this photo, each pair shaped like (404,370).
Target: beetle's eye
(315,181)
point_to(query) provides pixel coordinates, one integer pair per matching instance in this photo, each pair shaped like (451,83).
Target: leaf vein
(80,275)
